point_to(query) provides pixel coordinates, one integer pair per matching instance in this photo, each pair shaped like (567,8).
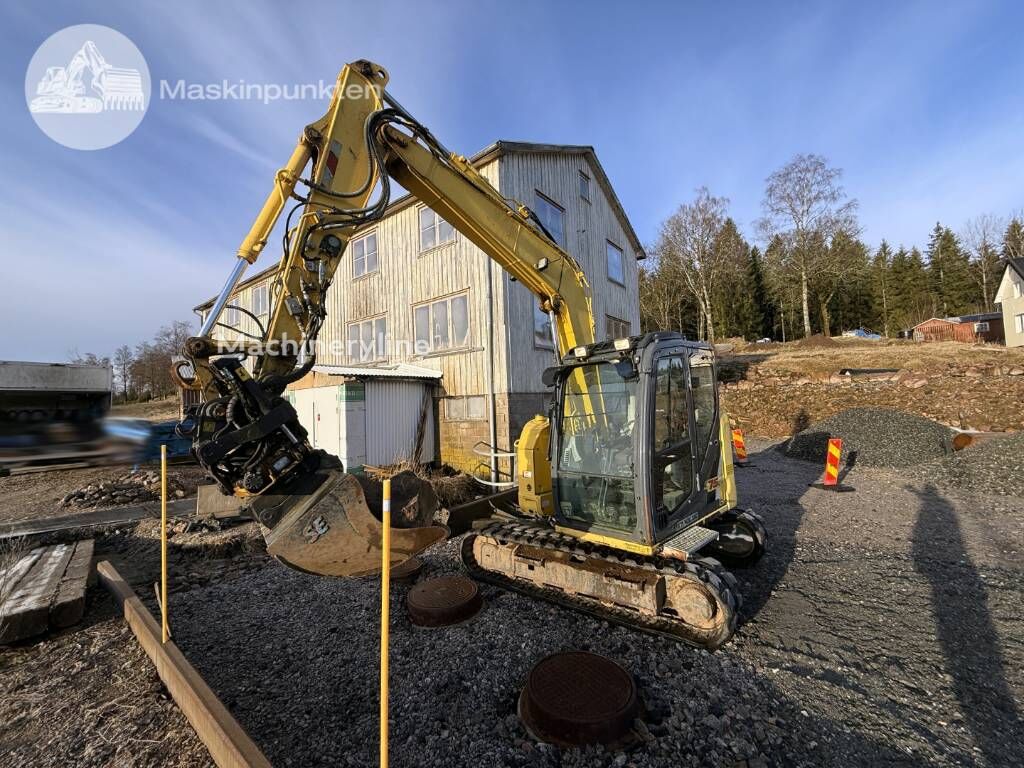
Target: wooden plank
(228,743)
(68,604)
(11,576)
(26,611)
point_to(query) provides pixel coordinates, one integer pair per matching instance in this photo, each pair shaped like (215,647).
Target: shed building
(984,327)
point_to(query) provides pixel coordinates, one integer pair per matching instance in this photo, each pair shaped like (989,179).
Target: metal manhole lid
(577,698)
(443,600)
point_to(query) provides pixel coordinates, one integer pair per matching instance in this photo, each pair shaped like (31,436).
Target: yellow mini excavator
(626,494)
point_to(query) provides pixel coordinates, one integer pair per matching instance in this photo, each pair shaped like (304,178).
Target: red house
(986,327)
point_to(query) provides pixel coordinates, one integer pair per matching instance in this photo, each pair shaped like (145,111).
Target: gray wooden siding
(588,227)
(406,278)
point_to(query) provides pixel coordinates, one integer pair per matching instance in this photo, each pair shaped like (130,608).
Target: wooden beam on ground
(228,743)
(96,518)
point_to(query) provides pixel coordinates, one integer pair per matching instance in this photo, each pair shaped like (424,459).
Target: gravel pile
(991,466)
(879,437)
(294,657)
(134,487)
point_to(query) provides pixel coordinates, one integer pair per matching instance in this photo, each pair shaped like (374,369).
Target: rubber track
(710,572)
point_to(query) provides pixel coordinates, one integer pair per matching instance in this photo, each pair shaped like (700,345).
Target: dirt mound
(880,437)
(817,341)
(991,466)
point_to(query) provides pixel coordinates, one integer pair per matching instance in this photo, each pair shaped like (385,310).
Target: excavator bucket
(327,528)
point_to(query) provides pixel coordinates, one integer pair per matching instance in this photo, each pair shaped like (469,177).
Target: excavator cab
(637,451)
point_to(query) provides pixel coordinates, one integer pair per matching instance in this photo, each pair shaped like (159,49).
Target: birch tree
(981,235)
(805,207)
(687,246)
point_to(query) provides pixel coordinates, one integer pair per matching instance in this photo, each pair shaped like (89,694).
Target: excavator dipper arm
(245,433)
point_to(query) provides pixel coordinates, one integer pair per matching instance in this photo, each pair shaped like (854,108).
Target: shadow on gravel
(965,630)
(773,487)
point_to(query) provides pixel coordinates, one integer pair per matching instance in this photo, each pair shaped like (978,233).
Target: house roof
(930,319)
(395,371)
(1017,265)
(976,318)
(488,155)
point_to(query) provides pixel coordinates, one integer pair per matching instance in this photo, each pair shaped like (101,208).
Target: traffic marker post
(739,449)
(830,481)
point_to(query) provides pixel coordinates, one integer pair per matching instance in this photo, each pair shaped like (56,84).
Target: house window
(615,328)
(434,230)
(981,327)
(232,316)
(542,329)
(615,273)
(584,186)
(551,216)
(473,408)
(442,325)
(1018,322)
(367,340)
(260,304)
(1017,289)
(364,255)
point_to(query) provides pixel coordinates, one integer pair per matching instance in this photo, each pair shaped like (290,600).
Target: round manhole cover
(443,600)
(407,571)
(577,698)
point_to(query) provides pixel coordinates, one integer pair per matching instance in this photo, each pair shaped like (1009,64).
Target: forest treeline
(808,270)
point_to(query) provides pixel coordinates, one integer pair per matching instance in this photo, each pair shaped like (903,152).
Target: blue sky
(920,104)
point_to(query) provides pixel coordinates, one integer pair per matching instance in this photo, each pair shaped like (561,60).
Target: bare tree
(123,359)
(981,235)
(805,207)
(687,246)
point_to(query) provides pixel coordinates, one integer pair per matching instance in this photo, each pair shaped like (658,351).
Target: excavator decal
(63,91)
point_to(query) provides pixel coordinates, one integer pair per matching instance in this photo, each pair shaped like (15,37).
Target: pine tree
(949,273)
(1013,239)
(911,300)
(743,300)
(852,305)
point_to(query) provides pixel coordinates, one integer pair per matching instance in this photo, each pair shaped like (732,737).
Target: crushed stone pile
(135,487)
(992,466)
(878,437)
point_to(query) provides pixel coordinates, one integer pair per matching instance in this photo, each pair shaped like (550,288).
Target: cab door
(672,465)
(704,396)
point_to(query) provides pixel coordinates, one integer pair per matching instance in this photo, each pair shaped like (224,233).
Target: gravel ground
(883,628)
(878,437)
(89,697)
(995,465)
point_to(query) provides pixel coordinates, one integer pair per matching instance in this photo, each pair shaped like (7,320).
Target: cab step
(684,544)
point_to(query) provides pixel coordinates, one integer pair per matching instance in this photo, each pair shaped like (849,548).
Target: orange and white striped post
(739,447)
(835,450)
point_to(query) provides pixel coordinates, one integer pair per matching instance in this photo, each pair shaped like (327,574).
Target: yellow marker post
(385,606)
(163,543)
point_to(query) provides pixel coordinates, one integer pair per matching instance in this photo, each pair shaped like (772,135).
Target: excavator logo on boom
(63,90)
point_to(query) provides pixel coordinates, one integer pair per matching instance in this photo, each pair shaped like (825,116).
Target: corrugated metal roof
(397,371)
